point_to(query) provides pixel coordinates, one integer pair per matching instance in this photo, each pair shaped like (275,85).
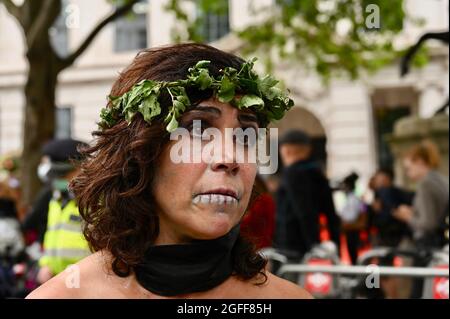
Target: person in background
(11,239)
(11,165)
(64,243)
(259,222)
(352,215)
(387,198)
(304,193)
(55,163)
(426,216)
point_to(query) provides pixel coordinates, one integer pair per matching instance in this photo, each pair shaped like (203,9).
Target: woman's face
(206,198)
(416,169)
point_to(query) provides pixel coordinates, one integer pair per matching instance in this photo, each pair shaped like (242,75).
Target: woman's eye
(197,128)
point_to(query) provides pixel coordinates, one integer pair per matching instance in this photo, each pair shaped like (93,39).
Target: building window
(216,25)
(389,105)
(58,32)
(385,119)
(63,125)
(131,30)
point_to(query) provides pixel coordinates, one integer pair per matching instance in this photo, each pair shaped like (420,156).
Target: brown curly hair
(114,186)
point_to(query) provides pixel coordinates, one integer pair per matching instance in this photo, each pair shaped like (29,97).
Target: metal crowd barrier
(363,270)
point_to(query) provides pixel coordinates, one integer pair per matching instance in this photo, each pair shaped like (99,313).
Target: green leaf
(184,99)
(106,116)
(266,83)
(277,113)
(114,100)
(249,86)
(173,124)
(272,93)
(133,96)
(246,69)
(202,64)
(251,100)
(179,106)
(230,72)
(204,80)
(129,116)
(226,91)
(150,108)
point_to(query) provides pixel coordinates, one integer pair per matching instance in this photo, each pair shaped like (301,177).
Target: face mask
(61,185)
(43,170)
(51,170)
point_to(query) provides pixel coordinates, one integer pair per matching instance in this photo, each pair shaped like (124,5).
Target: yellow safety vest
(64,243)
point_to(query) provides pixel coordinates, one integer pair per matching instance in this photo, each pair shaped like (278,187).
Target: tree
(36,17)
(331,37)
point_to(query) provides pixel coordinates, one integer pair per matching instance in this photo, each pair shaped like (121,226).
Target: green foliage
(193,27)
(420,59)
(243,89)
(311,33)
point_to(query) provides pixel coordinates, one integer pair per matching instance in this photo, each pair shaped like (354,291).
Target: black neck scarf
(170,270)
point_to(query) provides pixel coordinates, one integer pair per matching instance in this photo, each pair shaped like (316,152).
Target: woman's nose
(226,160)
(228,167)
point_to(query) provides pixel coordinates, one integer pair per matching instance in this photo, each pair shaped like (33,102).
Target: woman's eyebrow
(242,117)
(207,109)
(247,117)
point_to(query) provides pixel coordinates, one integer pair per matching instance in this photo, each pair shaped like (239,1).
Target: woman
(160,228)
(426,216)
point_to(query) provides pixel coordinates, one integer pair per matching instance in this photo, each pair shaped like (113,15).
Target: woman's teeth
(214,199)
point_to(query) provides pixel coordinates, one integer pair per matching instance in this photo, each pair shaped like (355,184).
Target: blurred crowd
(292,211)
(310,210)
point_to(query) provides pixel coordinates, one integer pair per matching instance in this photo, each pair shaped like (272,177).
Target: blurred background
(370,80)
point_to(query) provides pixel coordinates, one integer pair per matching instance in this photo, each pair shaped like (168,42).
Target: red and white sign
(440,285)
(319,283)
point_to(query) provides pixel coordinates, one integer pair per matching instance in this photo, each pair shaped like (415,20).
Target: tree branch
(42,22)
(68,61)
(13,9)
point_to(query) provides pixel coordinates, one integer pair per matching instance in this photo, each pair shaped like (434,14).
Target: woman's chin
(214,225)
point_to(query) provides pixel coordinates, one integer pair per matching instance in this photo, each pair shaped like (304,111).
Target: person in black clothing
(303,194)
(387,198)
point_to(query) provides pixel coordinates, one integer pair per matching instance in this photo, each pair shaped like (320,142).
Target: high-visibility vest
(64,243)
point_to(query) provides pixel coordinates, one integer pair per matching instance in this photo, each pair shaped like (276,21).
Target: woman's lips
(221,191)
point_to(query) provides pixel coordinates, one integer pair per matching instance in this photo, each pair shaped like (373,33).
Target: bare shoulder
(288,289)
(277,288)
(75,282)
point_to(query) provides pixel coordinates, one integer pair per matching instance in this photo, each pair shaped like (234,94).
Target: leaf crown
(262,95)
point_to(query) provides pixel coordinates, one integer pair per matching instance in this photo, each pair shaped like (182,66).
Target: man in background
(304,193)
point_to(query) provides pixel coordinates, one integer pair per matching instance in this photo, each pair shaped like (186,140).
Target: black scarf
(170,270)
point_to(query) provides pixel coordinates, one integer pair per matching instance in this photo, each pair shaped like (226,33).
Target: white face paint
(215,199)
